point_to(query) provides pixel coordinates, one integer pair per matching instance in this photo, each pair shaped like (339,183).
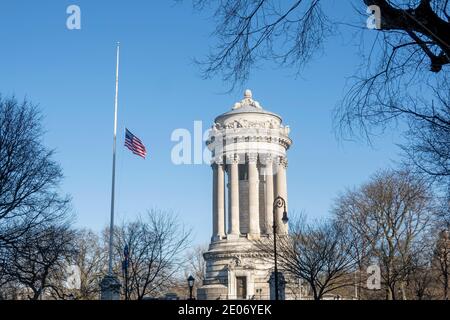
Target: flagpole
(111,228)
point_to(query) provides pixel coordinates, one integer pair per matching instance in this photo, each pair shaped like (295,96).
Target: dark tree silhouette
(442,261)
(409,55)
(156,244)
(290,32)
(90,261)
(29,177)
(322,254)
(391,214)
(38,261)
(196,265)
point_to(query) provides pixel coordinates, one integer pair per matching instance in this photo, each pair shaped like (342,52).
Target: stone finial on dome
(247,101)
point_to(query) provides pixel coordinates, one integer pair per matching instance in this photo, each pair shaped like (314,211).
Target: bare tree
(29,177)
(196,265)
(442,261)
(429,134)
(289,32)
(422,278)
(37,262)
(155,245)
(322,254)
(403,76)
(34,220)
(391,213)
(426,22)
(405,81)
(89,262)
(92,261)
(292,31)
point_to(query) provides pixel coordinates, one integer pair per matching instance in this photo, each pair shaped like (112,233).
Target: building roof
(247,105)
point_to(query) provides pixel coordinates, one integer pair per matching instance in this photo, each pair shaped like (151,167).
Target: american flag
(134,144)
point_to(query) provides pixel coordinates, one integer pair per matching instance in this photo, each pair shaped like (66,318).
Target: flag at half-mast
(134,144)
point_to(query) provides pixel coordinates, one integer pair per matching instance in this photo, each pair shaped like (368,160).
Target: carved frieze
(248,124)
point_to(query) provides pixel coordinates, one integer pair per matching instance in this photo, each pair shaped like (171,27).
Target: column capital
(233,158)
(217,161)
(268,159)
(282,161)
(252,157)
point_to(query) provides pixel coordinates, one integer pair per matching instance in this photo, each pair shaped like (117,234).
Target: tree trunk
(446,287)
(402,287)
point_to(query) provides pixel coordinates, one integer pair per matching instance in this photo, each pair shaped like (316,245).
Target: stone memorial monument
(248,146)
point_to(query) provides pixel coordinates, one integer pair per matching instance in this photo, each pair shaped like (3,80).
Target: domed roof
(247,105)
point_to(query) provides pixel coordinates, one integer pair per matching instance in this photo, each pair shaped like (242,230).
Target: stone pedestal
(227,262)
(110,288)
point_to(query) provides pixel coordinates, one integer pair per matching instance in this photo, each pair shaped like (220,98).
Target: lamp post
(279,202)
(190,281)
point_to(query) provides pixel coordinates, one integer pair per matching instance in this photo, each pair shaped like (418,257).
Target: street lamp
(190,281)
(279,202)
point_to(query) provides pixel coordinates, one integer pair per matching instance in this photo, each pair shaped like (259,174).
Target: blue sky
(70,73)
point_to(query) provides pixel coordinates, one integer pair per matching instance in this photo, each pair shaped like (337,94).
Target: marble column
(215,228)
(269,193)
(253,193)
(221,200)
(234,229)
(218,201)
(281,187)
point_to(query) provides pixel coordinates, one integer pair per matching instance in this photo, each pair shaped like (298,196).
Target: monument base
(110,288)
